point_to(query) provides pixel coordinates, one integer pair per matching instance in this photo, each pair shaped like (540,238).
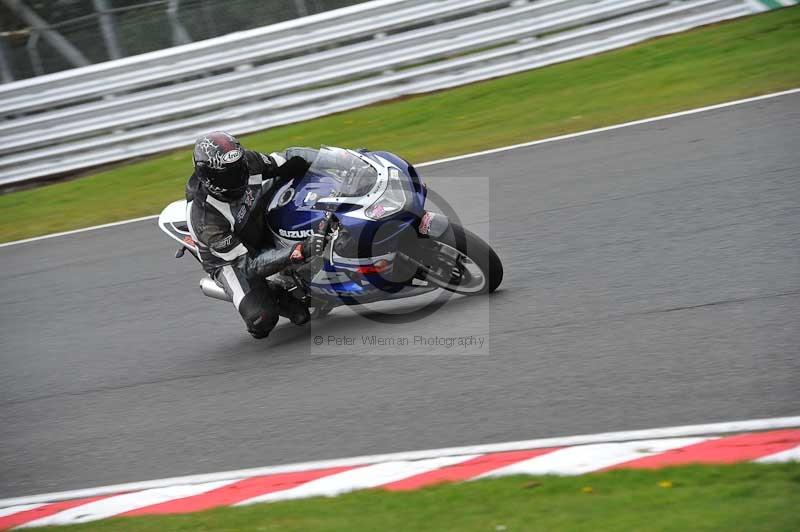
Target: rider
(227,199)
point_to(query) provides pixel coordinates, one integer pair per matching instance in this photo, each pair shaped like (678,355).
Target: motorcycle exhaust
(210,288)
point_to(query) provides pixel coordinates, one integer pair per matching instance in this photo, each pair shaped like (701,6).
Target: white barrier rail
(311,67)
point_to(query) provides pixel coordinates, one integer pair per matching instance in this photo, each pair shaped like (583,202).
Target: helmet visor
(230,180)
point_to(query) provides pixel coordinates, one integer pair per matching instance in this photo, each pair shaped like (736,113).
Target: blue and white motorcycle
(384,244)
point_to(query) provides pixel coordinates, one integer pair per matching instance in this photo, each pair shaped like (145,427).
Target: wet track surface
(652,279)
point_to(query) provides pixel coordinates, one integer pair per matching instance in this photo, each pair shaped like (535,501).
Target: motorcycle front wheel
(461,262)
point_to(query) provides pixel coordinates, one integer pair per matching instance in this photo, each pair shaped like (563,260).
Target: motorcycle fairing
(172,221)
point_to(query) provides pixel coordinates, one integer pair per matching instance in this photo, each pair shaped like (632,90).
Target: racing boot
(289,306)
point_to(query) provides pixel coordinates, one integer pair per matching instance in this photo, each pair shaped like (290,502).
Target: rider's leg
(253,298)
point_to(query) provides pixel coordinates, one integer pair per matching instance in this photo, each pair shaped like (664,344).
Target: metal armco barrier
(310,67)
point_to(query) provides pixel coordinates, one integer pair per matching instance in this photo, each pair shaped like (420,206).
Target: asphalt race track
(652,279)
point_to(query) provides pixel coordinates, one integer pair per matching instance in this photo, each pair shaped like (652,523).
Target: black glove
(294,168)
(312,246)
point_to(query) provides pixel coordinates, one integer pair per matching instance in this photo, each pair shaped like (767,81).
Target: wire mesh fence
(44,36)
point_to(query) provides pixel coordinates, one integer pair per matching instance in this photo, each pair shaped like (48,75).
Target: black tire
(479,252)
(318,312)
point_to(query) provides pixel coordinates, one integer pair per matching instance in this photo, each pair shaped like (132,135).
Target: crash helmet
(220,165)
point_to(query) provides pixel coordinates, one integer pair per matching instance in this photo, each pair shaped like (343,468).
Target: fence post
(32,46)
(300,5)
(179,33)
(108,28)
(5,64)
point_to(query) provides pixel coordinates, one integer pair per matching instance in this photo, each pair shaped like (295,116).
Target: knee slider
(259,311)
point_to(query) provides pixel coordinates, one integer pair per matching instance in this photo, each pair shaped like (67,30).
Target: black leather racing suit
(237,250)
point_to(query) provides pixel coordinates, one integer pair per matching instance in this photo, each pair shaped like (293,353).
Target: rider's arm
(283,166)
(272,261)
(228,247)
(266,263)
(215,237)
(224,244)
(280,157)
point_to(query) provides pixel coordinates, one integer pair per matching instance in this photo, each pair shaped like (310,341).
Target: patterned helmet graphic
(220,164)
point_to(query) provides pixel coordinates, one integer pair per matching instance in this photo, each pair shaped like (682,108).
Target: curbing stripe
(39,511)
(789,455)
(474,154)
(740,448)
(369,476)
(464,470)
(647,434)
(236,492)
(111,506)
(22,508)
(772,446)
(587,458)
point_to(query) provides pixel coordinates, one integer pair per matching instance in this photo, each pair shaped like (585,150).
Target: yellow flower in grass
(665,484)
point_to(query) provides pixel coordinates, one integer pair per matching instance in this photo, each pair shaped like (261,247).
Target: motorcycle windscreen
(357,177)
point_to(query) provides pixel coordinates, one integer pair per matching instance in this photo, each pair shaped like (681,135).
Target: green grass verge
(740,497)
(746,57)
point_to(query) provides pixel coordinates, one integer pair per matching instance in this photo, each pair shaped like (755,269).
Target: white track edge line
(82,230)
(607,437)
(613,127)
(477,154)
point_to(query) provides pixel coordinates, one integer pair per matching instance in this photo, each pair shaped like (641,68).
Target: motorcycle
(383,243)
